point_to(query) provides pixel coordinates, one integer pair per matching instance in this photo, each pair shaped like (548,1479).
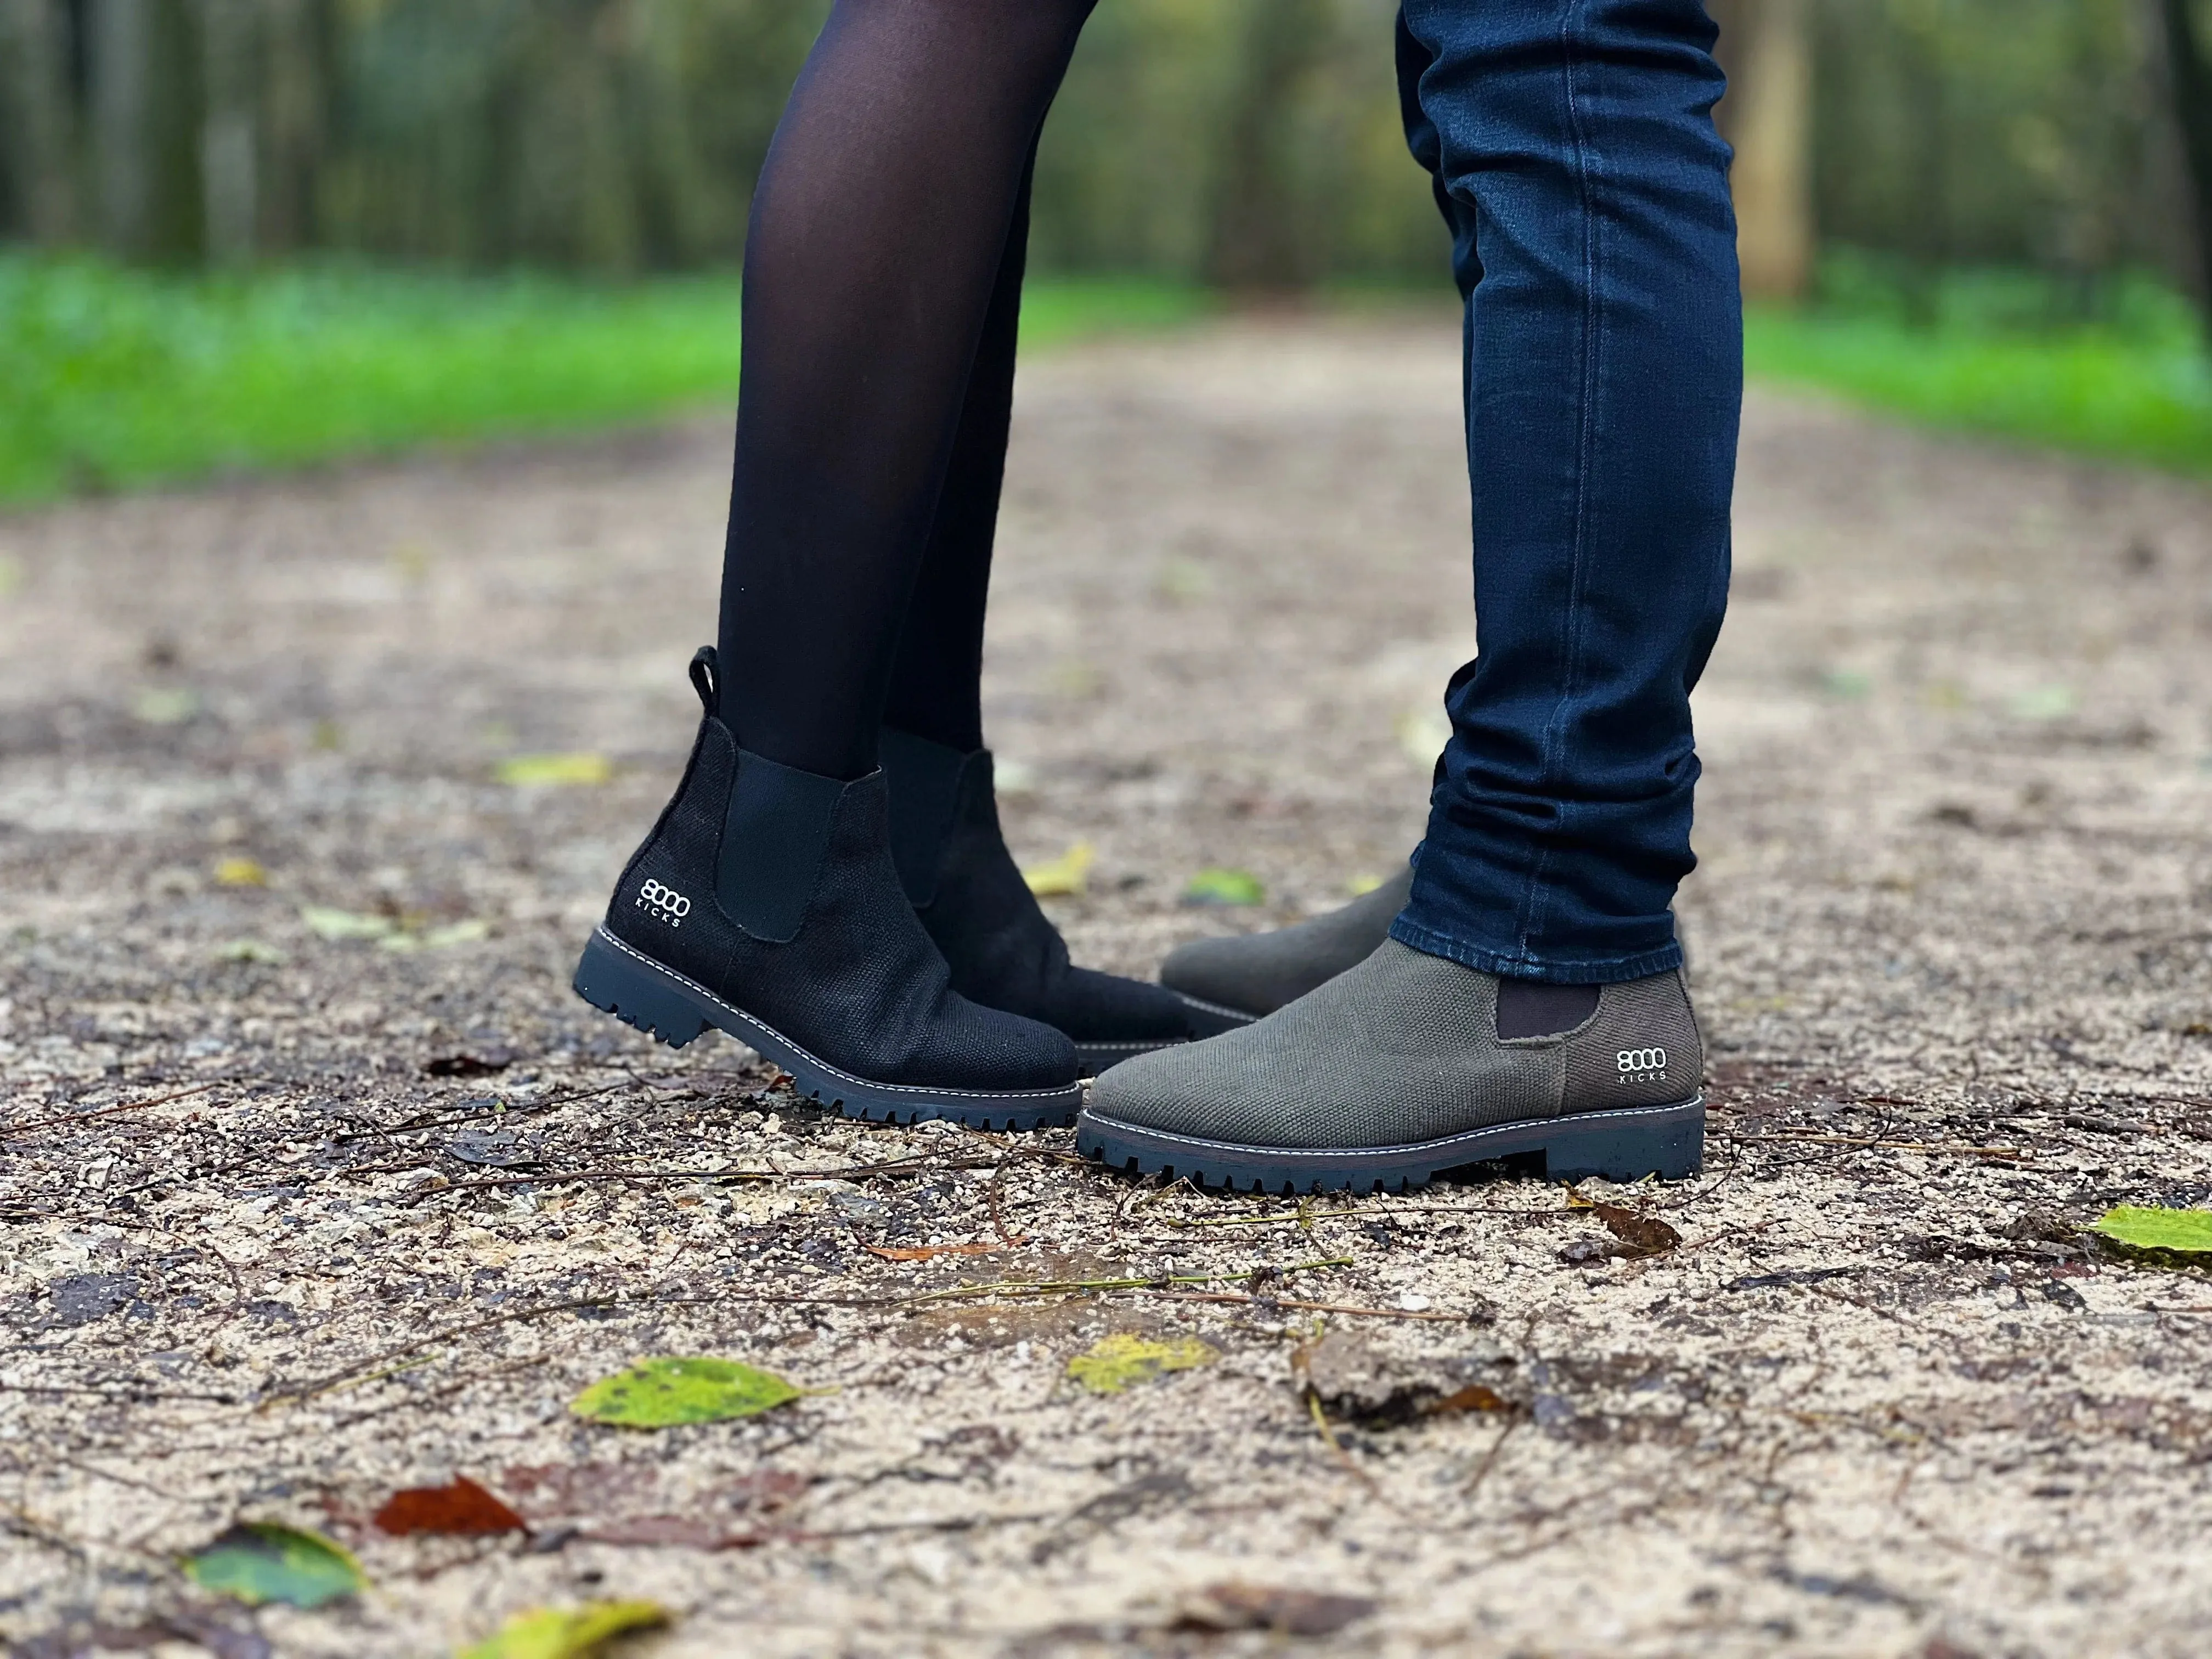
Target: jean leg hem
(1511,965)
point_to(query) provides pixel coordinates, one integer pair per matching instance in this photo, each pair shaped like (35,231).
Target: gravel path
(1953,946)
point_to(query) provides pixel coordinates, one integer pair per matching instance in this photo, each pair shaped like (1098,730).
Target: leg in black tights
(952,858)
(936,684)
(878,236)
(769,900)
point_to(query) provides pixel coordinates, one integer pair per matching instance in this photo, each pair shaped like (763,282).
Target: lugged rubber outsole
(623,980)
(1624,1144)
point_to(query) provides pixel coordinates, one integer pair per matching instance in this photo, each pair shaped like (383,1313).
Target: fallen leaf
(258,1561)
(568,1632)
(1643,1234)
(925,1252)
(2139,1228)
(324,922)
(554,769)
(240,872)
(1224,887)
(461,1506)
(1234,1605)
(661,1393)
(1422,734)
(1473,1398)
(160,704)
(1364,883)
(2042,702)
(1114,1362)
(247,949)
(466,932)
(1354,1381)
(1063,877)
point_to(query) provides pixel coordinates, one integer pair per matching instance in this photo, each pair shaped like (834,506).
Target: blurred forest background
(256,178)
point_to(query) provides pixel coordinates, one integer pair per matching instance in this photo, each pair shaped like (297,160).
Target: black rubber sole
(1623,1145)
(626,983)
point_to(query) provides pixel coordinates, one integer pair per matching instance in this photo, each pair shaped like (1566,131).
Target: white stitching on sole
(1074,1090)
(1465,1137)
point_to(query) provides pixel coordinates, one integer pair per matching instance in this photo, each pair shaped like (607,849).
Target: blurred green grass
(2118,369)
(116,378)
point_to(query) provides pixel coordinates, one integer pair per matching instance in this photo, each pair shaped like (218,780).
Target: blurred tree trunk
(122,105)
(1255,246)
(229,139)
(2188,84)
(296,48)
(1767,48)
(41,118)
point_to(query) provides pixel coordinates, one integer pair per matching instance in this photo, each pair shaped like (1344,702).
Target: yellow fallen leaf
(325,922)
(567,1633)
(1064,875)
(1423,733)
(1364,883)
(1113,1363)
(557,769)
(240,872)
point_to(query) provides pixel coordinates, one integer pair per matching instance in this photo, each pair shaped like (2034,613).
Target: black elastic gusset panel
(879,235)
(773,839)
(924,789)
(860,985)
(1529,1008)
(1005,954)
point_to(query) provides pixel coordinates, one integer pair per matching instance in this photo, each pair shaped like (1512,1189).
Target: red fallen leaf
(461,1507)
(924,1252)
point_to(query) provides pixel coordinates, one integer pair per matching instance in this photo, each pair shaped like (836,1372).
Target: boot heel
(1627,1145)
(609,981)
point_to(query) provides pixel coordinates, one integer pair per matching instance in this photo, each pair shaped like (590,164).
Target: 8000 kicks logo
(1641,1065)
(663,903)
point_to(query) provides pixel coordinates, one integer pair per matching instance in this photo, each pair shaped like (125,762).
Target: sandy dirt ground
(1952,945)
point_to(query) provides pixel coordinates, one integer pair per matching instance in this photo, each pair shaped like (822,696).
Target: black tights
(882,294)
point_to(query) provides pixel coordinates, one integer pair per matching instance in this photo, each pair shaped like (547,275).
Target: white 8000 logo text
(1641,1060)
(670,905)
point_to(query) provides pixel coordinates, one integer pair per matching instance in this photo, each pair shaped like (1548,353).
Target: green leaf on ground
(1224,887)
(2142,1229)
(247,949)
(554,769)
(2044,702)
(1114,1362)
(325,922)
(567,1633)
(1062,875)
(659,1394)
(166,705)
(258,1561)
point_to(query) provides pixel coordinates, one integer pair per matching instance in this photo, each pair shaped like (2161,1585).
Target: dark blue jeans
(1575,158)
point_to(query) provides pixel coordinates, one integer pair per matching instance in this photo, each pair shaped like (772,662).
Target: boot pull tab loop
(707,679)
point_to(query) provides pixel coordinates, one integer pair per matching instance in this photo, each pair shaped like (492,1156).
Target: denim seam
(1612,970)
(1535,898)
